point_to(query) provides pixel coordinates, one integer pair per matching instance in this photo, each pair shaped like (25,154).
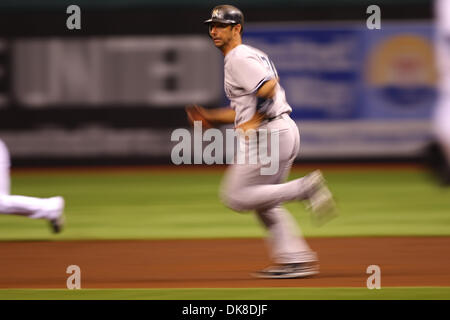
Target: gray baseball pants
(244,188)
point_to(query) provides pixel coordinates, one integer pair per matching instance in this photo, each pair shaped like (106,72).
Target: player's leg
(35,208)
(287,246)
(285,240)
(4,169)
(247,197)
(442,125)
(245,189)
(289,250)
(442,133)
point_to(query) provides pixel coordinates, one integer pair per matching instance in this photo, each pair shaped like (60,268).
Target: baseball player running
(258,102)
(441,118)
(35,208)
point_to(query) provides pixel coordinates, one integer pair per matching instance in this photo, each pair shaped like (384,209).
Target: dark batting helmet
(226,14)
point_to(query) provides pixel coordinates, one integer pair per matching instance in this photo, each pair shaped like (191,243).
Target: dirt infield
(224,263)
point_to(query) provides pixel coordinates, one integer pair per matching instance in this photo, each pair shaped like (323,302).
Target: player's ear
(238,28)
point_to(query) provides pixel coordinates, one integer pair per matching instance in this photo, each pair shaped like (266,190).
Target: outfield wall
(117,88)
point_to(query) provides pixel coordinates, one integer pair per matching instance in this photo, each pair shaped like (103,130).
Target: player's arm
(266,91)
(220,115)
(213,117)
(227,115)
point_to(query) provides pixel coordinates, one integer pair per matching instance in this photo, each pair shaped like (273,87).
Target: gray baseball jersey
(246,70)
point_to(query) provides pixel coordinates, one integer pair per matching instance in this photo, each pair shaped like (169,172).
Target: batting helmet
(226,14)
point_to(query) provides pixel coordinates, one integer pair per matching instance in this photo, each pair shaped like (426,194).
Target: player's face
(220,33)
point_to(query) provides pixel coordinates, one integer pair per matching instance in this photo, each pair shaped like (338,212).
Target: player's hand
(198,113)
(253,123)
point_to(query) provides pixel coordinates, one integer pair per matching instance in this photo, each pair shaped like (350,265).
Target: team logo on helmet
(216,14)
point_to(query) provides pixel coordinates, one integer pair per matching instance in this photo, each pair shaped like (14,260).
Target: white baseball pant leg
(31,207)
(244,189)
(442,125)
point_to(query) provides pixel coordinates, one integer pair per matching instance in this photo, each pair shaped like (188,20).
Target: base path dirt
(221,263)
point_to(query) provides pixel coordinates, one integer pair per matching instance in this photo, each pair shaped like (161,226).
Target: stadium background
(88,114)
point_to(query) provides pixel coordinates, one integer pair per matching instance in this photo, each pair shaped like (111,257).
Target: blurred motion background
(112,92)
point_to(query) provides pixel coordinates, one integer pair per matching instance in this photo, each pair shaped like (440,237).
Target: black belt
(276,117)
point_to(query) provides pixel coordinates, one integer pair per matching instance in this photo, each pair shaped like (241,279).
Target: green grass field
(155,205)
(183,204)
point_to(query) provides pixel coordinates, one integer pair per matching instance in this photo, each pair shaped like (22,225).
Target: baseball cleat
(57,223)
(289,271)
(320,201)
